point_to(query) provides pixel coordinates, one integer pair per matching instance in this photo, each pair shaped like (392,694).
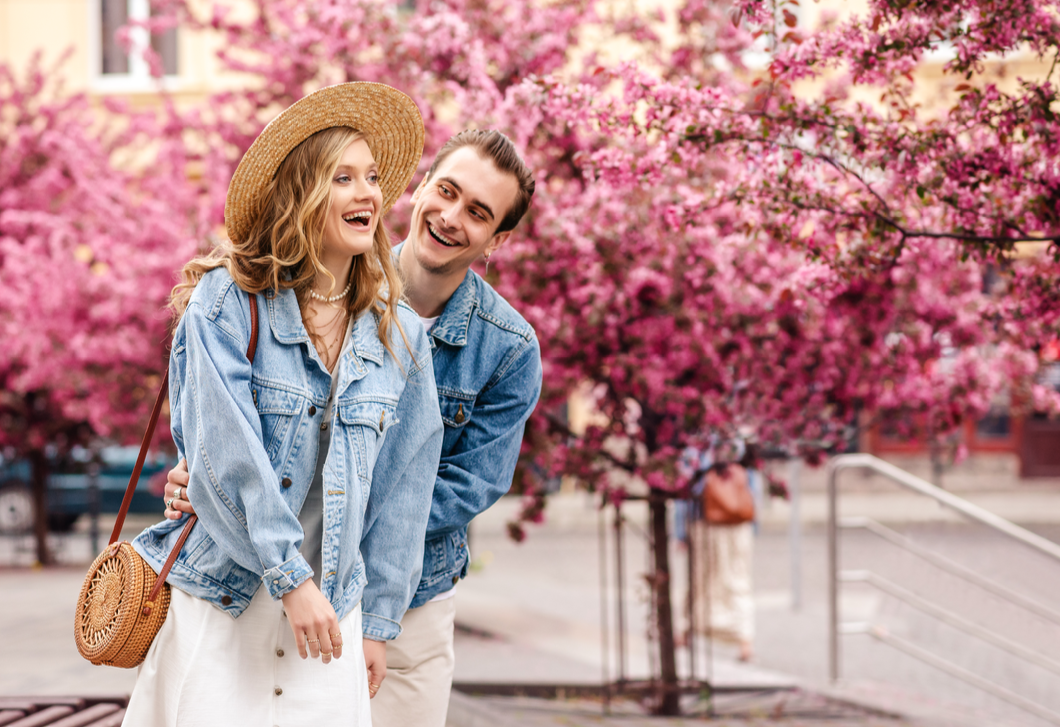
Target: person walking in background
(487,365)
(721,533)
(310,470)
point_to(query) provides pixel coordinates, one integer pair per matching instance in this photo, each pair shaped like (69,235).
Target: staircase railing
(968,510)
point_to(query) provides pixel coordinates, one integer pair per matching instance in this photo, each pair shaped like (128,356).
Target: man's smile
(447,241)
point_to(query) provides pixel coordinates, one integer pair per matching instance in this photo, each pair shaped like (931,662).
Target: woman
(311,470)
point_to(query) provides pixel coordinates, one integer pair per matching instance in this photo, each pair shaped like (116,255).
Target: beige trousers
(419,669)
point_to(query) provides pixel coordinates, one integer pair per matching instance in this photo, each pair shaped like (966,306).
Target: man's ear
(499,239)
(419,188)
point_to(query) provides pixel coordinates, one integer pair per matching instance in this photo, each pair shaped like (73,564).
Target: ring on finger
(177,494)
(169,504)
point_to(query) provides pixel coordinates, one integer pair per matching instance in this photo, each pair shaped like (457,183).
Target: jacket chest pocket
(277,409)
(367,423)
(456,413)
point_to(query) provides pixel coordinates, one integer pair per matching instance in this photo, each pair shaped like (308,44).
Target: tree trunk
(40,506)
(668,704)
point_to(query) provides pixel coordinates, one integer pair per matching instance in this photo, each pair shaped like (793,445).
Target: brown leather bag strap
(252,348)
(148,435)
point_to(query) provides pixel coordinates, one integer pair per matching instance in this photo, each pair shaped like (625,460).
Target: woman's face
(355,207)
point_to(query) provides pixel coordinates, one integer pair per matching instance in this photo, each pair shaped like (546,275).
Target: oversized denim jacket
(487,364)
(250,436)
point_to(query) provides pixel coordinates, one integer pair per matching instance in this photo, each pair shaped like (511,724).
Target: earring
(488,261)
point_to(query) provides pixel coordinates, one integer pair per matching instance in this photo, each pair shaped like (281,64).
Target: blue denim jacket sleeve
(232,483)
(479,469)
(400,499)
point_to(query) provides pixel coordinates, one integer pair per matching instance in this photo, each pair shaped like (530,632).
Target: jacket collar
(285,318)
(453,323)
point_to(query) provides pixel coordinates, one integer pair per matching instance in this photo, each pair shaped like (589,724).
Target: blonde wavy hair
(286,240)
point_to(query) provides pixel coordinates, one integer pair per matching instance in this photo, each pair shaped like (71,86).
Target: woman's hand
(313,622)
(375,660)
(176,492)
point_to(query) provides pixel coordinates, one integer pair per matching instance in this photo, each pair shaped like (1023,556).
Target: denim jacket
(487,364)
(250,436)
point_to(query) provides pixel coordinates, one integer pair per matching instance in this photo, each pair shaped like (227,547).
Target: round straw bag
(123,602)
(116,620)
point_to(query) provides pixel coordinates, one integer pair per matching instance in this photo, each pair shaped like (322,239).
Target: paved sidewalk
(531,612)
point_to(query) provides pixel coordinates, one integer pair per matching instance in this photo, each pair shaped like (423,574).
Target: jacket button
(286,482)
(312,410)
(459,418)
(324,427)
(226,600)
(279,652)
(456,579)
(277,691)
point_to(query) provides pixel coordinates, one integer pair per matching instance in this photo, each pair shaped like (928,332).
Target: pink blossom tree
(88,253)
(724,255)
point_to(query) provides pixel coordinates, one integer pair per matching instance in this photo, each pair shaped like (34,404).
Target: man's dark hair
(499,149)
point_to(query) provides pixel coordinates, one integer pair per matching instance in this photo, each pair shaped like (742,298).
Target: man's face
(457,210)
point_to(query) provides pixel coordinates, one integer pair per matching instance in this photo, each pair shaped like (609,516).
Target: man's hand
(375,660)
(176,492)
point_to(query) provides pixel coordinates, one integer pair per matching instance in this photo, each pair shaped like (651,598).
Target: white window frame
(139,78)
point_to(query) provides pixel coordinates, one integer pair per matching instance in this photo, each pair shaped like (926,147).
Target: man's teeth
(440,237)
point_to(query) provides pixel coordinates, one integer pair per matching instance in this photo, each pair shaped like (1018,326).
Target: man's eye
(445,190)
(478,214)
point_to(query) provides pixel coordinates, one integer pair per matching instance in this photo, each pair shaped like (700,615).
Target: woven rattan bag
(123,602)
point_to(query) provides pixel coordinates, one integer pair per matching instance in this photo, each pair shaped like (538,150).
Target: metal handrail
(949,617)
(916,484)
(965,508)
(956,569)
(881,634)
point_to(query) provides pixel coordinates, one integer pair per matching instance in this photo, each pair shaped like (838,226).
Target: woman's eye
(342,178)
(373,178)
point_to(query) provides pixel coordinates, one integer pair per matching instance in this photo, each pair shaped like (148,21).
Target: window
(116,69)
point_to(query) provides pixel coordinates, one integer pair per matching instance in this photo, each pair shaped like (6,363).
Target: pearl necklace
(333,298)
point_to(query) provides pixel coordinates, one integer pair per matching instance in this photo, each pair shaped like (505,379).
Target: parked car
(68,487)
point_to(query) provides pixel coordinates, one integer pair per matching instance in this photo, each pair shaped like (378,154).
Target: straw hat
(389,120)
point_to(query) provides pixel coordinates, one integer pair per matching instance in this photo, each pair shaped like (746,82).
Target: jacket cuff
(286,577)
(379,628)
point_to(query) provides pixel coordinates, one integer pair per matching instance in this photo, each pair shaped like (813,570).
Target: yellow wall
(53,26)
(27,26)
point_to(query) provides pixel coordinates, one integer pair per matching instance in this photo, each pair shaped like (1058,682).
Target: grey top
(311,516)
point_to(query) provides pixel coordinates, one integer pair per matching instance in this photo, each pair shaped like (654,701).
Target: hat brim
(391,124)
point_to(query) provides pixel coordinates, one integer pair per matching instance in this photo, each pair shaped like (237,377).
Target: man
(487,366)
